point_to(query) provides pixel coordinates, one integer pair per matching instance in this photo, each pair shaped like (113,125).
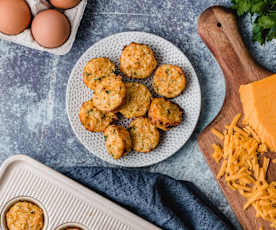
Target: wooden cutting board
(218,28)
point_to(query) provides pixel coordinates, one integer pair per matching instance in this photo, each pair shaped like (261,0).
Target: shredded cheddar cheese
(218,134)
(217,155)
(243,169)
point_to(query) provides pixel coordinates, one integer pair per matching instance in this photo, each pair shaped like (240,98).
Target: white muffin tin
(64,202)
(25,38)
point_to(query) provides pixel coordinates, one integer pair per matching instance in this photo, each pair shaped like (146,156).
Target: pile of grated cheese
(242,169)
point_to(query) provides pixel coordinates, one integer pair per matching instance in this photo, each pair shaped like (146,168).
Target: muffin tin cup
(10,203)
(64,202)
(71,225)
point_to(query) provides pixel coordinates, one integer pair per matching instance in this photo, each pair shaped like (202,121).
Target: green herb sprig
(264,25)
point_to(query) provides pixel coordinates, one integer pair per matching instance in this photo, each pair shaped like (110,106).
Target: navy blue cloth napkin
(165,202)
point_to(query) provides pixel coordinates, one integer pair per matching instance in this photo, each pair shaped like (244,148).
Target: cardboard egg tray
(25,38)
(65,203)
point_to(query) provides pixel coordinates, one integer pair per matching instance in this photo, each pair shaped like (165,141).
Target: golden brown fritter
(117,141)
(93,119)
(169,81)
(144,135)
(109,94)
(137,101)
(137,61)
(165,114)
(97,69)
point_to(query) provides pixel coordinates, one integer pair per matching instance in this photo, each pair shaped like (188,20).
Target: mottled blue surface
(33,119)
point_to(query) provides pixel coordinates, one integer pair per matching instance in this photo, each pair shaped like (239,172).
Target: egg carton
(26,39)
(64,202)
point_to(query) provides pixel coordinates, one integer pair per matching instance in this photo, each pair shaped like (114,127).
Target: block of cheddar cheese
(259,107)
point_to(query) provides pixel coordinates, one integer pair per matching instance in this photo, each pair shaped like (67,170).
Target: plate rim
(192,70)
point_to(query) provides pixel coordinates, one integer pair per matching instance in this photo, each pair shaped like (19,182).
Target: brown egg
(65,4)
(51,28)
(15,16)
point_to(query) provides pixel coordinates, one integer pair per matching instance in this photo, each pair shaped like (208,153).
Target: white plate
(190,100)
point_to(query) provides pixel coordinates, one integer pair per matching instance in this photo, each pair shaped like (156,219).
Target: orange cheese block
(259,106)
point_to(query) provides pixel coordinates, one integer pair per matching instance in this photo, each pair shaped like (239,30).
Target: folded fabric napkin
(163,201)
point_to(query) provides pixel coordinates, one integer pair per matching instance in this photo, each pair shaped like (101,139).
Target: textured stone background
(33,119)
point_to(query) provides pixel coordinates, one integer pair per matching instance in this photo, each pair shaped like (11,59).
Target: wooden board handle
(218,28)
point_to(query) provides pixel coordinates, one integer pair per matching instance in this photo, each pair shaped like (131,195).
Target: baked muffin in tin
(24,215)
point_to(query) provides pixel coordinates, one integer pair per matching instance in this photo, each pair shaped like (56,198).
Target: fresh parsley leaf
(264,25)
(87,74)
(266,22)
(258,34)
(242,6)
(271,34)
(258,7)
